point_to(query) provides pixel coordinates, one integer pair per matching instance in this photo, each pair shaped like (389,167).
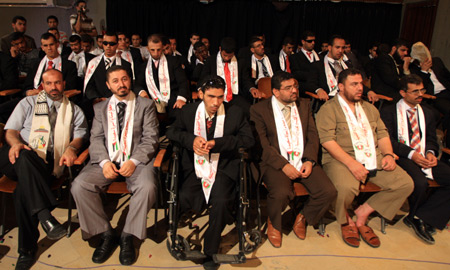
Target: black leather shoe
(26,260)
(127,255)
(419,227)
(430,229)
(106,247)
(209,264)
(53,229)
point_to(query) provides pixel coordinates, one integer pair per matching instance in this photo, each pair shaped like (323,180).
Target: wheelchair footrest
(229,258)
(193,255)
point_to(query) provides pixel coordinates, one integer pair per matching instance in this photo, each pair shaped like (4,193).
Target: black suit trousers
(221,200)
(32,194)
(435,208)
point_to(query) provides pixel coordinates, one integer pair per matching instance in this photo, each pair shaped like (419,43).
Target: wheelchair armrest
(159,158)
(82,157)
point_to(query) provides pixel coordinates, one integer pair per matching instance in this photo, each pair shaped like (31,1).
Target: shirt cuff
(406,72)
(181,98)
(411,154)
(431,151)
(103,163)
(135,161)
(141,92)
(317,90)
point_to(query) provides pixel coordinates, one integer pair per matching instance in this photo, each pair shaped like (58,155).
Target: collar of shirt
(282,106)
(331,60)
(55,61)
(209,118)
(283,53)
(114,100)
(110,58)
(50,103)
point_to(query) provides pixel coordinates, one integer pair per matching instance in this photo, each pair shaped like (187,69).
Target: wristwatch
(310,160)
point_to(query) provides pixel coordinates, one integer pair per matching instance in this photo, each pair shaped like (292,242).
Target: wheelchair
(180,248)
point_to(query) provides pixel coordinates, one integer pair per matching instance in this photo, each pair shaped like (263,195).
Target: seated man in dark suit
(225,65)
(196,67)
(194,38)
(162,79)
(368,59)
(130,54)
(43,134)
(80,58)
(390,66)
(124,141)
(324,73)
(290,145)
(286,54)
(210,134)
(412,129)
(303,60)
(258,65)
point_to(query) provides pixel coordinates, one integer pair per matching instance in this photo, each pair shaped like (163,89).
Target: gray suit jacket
(145,132)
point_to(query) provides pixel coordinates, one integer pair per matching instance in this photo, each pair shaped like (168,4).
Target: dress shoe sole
(409,224)
(301,238)
(58,236)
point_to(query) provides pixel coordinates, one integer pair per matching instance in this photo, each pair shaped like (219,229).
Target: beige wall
(36,18)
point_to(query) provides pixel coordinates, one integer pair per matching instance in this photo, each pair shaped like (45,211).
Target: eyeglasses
(417,91)
(106,43)
(310,40)
(290,88)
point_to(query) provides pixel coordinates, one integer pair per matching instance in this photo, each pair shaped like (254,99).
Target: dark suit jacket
(145,132)
(301,68)
(80,80)
(69,71)
(236,134)
(9,73)
(247,70)
(261,115)
(317,77)
(137,59)
(439,69)
(210,68)
(96,87)
(389,116)
(6,43)
(385,78)
(177,76)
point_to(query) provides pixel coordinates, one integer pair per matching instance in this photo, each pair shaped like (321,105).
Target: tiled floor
(400,249)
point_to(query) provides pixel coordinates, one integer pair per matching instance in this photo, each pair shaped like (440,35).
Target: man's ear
(107,84)
(200,94)
(402,92)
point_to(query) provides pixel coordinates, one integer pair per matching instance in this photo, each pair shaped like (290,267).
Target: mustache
(122,87)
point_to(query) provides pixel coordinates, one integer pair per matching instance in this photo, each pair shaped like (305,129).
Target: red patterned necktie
(415,138)
(208,125)
(309,55)
(228,81)
(288,64)
(50,65)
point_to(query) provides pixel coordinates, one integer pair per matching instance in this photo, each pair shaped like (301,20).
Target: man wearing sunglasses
(412,128)
(302,61)
(290,146)
(95,89)
(210,133)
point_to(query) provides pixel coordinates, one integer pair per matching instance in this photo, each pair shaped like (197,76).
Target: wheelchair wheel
(252,240)
(179,248)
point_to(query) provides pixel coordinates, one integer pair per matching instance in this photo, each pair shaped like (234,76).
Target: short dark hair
(228,44)
(333,38)
(75,38)
(122,33)
(213,81)
(87,38)
(279,77)
(198,45)
(194,34)
(384,48)
(398,42)
(111,34)
(253,40)
(347,41)
(16,35)
(165,40)
(53,29)
(115,68)
(18,18)
(52,17)
(347,72)
(288,40)
(307,34)
(47,36)
(78,2)
(98,36)
(409,79)
(154,38)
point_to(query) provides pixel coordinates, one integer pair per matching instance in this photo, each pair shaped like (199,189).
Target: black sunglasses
(310,40)
(106,43)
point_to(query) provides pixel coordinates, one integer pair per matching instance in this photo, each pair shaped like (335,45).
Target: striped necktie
(107,63)
(415,138)
(121,115)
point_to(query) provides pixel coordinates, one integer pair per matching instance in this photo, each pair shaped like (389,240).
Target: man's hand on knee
(110,170)
(15,150)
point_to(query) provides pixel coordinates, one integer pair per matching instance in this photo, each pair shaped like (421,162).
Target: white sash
(233,67)
(290,141)
(361,134)
(40,130)
(126,55)
(40,70)
(282,59)
(205,166)
(403,131)
(163,93)
(120,151)
(92,66)
(331,79)
(190,52)
(255,66)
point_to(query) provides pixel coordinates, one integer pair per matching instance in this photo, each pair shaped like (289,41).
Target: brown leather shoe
(273,235)
(300,226)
